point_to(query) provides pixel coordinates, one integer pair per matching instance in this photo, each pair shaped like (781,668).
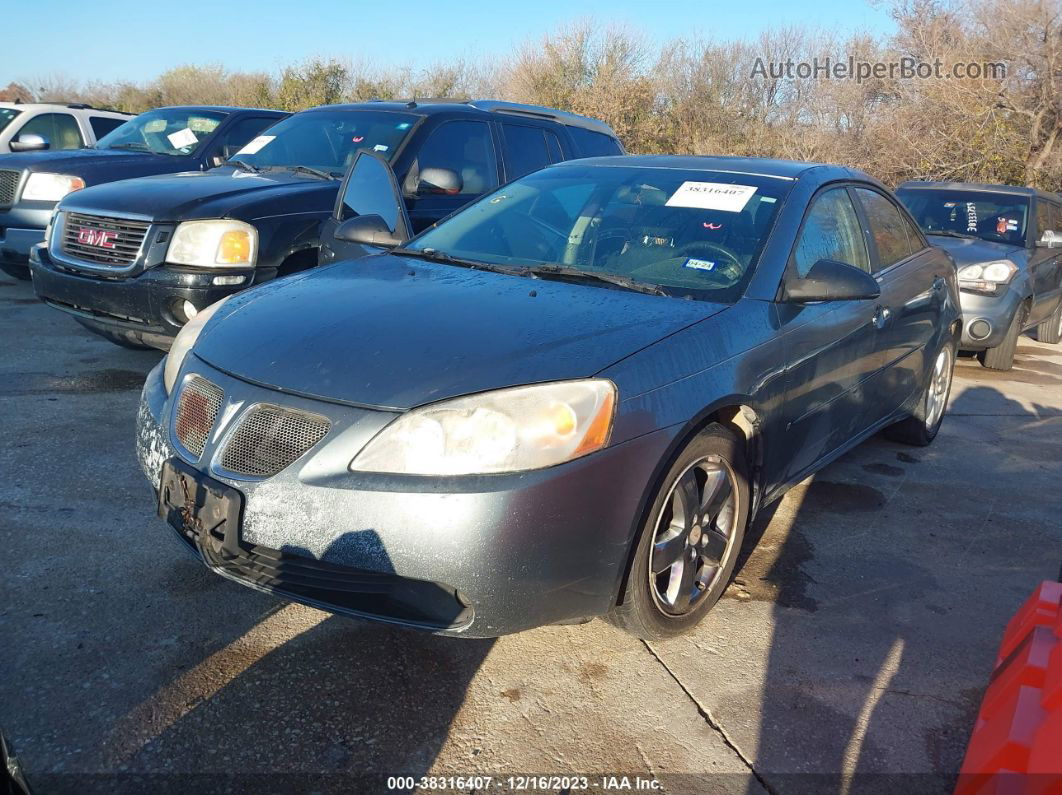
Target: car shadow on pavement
(892,574)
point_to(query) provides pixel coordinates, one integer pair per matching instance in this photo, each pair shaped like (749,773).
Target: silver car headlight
(183,343)
(508,430)
(44,187)
(214,244)
(986,276)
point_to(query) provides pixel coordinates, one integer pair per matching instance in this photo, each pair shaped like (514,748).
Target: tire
(20,272)
(921,428)
(1050,331)
(671,602)
(1002,356)
(122,339)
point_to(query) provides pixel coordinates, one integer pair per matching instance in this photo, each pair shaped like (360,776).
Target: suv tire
(1002,356)
(1050,331)
(20,272)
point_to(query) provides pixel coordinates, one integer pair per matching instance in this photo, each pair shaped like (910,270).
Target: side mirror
(829,280)
(369,230)
(1049,240)
(29,142)
(439,180)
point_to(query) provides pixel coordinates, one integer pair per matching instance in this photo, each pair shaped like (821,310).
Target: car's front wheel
(1002,356)
(690,541)
(20,272)
(1050,331)
(921,428)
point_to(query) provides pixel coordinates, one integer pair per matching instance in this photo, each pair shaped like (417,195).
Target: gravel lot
(852,648)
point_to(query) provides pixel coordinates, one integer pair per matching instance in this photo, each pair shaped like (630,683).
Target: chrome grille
(270,438)
(8,187)
(109,241)
(197,411)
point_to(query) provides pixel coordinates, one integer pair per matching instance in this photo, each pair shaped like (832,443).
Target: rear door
(369,188)
(1045,264)
(525,148)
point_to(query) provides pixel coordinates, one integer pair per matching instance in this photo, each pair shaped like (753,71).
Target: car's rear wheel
(689,544)
(20,272)
(1002,356)
(1050,331)
(124,339)
(921,428)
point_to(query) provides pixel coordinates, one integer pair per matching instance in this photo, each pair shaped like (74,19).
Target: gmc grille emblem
(99,238)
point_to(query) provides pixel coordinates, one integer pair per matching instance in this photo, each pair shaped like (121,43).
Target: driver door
(369,188)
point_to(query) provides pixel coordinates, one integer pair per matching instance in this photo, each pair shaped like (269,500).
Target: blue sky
(120,39)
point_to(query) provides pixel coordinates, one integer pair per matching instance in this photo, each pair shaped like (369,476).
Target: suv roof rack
(562,116)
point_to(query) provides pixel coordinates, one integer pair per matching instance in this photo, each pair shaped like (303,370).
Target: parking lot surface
(852,648)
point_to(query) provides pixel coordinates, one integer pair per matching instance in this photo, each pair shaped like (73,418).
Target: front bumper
(514,551)
(140,304)
(22,228)
(994,311)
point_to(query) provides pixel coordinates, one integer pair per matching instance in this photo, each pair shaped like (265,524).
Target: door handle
(881,315)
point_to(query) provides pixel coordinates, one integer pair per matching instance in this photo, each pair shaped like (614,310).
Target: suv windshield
(691,233)
(996,217)
(169,131)
(327,140)
(7,115)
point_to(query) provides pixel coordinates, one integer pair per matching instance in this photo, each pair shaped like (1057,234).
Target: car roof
(478,107)
(1011,190)
(63,105)
(753,166)
(224,109)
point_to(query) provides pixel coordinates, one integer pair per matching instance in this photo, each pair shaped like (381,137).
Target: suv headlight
(508,430)
(214,244)
(183,343)
(44,187)
(986,277)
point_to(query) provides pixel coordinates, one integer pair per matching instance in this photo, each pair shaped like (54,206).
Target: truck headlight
(986,277)
(44,187)
(183,343)
(214,244)
(508,430)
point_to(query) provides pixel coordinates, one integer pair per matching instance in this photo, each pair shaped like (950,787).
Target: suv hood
(219,193)
(969,251)
(96,165)
(393,332)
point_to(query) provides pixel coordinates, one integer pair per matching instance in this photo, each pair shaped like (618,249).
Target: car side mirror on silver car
(29,142)
(1050,239)
(368,230)
(439,180)
(830,280)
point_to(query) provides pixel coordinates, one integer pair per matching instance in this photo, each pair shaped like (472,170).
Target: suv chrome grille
(109,241)
(8,185)
(269,439)
(197,411)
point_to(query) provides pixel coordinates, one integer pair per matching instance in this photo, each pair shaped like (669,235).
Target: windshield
(692,233)
(327,140)
(170,131)
(7,115)
(996,217)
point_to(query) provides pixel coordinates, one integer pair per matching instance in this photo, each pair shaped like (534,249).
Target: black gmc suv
(135,260)
(162,141)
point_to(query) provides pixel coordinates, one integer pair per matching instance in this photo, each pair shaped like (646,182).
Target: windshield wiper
(132,147)
(949,233)
(434,255)
(574,274)
(241,164)
(316,172)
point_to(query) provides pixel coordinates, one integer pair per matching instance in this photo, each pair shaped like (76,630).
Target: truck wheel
(1002,356)
(20,272)
(921,428)
(122,339)
(1050,331)
(690,541)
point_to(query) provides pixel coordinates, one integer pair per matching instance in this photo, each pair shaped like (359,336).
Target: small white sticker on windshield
(182,138)
(380,148)
(712,196)
(256,144)
(699,264)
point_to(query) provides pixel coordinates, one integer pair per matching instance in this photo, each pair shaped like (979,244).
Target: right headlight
(507,430)
(214,244)
(44,187)
(183,343)
(986,276)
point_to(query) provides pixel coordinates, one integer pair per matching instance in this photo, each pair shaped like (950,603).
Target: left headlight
(44,187)
(508,430)
(183,343)
(214,244)
(986,276)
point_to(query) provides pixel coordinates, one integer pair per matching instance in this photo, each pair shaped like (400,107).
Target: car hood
(219,193)
(393,332)
(95,165)
(968,250)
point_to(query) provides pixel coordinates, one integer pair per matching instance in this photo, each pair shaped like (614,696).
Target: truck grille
(8,186)
(269,439)
(108,241)
(197,411)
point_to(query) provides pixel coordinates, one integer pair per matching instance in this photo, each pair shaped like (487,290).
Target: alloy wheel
(939,386)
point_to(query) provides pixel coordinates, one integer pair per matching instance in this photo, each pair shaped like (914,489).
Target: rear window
(594,144)
(101,125)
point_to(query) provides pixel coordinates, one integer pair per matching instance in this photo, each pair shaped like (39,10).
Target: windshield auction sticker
(255,145)
(712,196)
(182,139)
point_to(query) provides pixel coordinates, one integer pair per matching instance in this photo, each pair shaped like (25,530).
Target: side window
(831,231)
(59,129)
(241,132)
(888,228)
(594,144)
(556,154)
(466,148)
(524,149)
(101,125)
